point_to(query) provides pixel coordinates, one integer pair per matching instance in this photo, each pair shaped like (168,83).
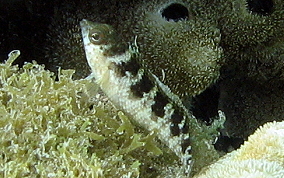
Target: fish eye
(97,37)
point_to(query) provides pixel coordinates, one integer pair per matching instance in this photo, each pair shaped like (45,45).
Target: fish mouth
(86,24)
(85,28)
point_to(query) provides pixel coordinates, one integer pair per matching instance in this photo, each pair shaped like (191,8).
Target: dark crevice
(175,12)
(260,7)
(227,144)
(205,108)
(205,105)
(24,27)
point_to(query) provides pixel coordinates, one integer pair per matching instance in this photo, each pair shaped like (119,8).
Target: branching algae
(53,128)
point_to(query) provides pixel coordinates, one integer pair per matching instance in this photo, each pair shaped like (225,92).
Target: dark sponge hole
(175,12)
(260,7)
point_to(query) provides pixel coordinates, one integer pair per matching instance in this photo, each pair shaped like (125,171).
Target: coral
(54,128)
(255,40)
(182,50)
(252,42)
(261,156)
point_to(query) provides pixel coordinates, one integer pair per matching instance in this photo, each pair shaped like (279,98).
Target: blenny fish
(141,95)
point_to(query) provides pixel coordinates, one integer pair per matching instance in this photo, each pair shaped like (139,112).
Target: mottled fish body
(136,91)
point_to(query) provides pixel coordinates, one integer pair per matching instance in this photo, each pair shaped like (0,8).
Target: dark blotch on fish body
(142,86)
(175,131)
(131,66)
(160,102)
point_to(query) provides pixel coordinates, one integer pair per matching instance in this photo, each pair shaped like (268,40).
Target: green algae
(54,128)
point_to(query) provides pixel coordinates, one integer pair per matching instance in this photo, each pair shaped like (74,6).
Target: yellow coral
(262,156)
(266,143)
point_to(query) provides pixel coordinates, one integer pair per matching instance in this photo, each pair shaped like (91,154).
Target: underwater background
(47,111)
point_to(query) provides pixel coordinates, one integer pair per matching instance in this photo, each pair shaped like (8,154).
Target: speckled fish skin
(124,88)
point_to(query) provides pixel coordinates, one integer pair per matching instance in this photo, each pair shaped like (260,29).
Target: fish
(138,92)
